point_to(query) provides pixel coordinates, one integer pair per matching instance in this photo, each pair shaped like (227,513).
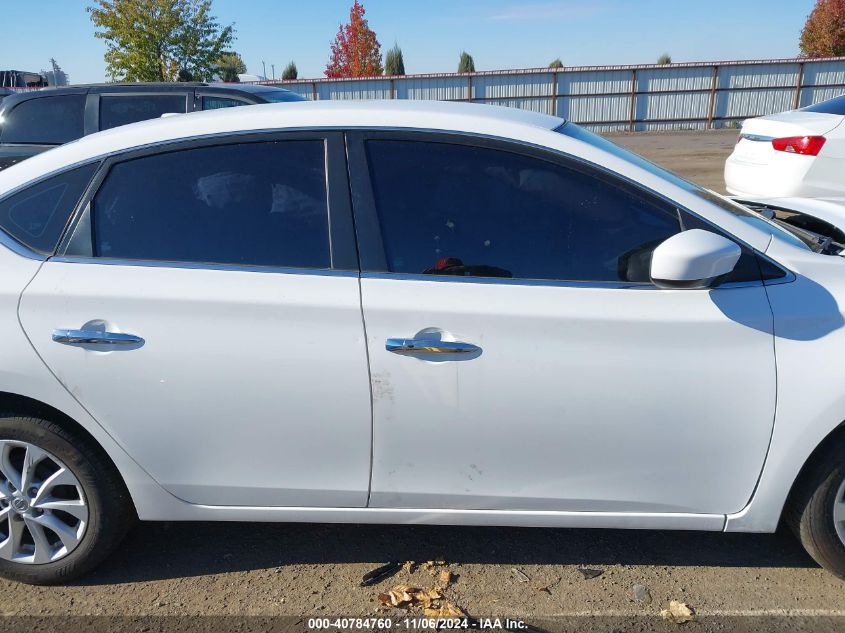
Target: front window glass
(743,213)
(450,209)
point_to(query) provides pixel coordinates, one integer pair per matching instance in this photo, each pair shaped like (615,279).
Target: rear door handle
(428,346)
(95,337)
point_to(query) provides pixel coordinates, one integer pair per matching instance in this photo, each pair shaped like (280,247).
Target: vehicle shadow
(158,551)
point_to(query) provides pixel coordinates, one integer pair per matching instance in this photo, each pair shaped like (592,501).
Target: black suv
(33,122)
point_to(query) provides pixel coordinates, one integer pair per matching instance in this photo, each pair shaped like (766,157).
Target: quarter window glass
(251,203)
(470,211)
(49,120)
(37,215)
(215,103)
(124,109)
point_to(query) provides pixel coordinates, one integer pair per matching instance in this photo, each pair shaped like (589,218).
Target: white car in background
(800,153)
(273,315)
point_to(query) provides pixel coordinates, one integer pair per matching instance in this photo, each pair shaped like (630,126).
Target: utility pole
(264,66)
(273,69)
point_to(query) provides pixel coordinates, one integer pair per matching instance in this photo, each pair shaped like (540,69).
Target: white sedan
(800,153)
(403,312)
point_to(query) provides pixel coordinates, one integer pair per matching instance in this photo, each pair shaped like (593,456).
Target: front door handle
(428,346)
(95,337)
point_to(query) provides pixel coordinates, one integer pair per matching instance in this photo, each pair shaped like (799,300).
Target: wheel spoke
(76,509)
(12,545)
(43,549)
(33,457)
(66,534)
(839,511)
(62,477)
(5,513)
(6,468)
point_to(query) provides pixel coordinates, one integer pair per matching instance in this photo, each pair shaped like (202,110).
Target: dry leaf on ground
(521,576)
(447,610)
(405,596)
(678,612)
(446,577)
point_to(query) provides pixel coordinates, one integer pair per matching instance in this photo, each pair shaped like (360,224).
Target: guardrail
(697,95)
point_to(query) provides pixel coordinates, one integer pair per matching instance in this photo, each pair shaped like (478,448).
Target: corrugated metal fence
(611,98)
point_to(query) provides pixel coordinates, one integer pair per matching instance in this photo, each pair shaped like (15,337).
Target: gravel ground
(172,576)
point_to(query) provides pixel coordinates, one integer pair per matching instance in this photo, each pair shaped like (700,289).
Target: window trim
(76,244)
(371,247)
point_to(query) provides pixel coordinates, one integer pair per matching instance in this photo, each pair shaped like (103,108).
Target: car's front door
(233,263)
(520,357)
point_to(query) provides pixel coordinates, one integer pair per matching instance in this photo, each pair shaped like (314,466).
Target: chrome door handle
(95,337)
(428,346)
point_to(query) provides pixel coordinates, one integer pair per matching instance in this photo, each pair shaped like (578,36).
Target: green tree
(556,63)
(290,71)
(665,59)
(230,65)
(394,62)
(824,32)
(160,40)
(466,63)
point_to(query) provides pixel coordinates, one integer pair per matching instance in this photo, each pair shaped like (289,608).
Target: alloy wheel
(43,511)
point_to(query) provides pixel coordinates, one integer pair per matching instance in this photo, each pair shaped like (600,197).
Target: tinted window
(37,215)
(831,106)
(457,209)
(125,109)
(250,203)
(49,120)
(214,103)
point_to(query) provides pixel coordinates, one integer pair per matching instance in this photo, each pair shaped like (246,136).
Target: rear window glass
(36,216)
(831,106)
(49,120)
(124,109)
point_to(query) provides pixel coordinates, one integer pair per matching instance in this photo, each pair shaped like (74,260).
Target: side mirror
(693,259)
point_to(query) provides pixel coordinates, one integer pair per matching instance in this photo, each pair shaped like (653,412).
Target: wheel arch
(836,436)
(17,404)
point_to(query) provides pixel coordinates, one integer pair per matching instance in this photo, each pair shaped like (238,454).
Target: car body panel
(582,398)
(230,400)
(796,431)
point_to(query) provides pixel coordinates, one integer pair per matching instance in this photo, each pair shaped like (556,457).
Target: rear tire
(94,483)
(816,510)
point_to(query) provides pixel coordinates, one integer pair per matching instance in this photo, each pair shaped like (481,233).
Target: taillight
(805,145)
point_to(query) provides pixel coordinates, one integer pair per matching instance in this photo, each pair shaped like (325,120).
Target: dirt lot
(697,156)
(733,581)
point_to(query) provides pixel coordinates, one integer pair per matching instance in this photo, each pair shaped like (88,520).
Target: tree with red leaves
(356,51)
(824,32)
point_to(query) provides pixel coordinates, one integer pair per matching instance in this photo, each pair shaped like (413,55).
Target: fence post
(469,88)
(796,102)
(711,106)
(554,93)
(313,90)
(392,89)
(632,108)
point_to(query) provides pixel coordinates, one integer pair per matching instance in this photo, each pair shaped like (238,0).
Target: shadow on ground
(156,551)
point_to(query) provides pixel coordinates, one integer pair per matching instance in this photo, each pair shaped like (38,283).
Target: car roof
(392,114)
(255,89)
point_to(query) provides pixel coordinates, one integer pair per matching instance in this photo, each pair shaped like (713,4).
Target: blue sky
(498,33)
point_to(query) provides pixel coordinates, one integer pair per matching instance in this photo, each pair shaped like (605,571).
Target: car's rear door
(520,357)
(206,312)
